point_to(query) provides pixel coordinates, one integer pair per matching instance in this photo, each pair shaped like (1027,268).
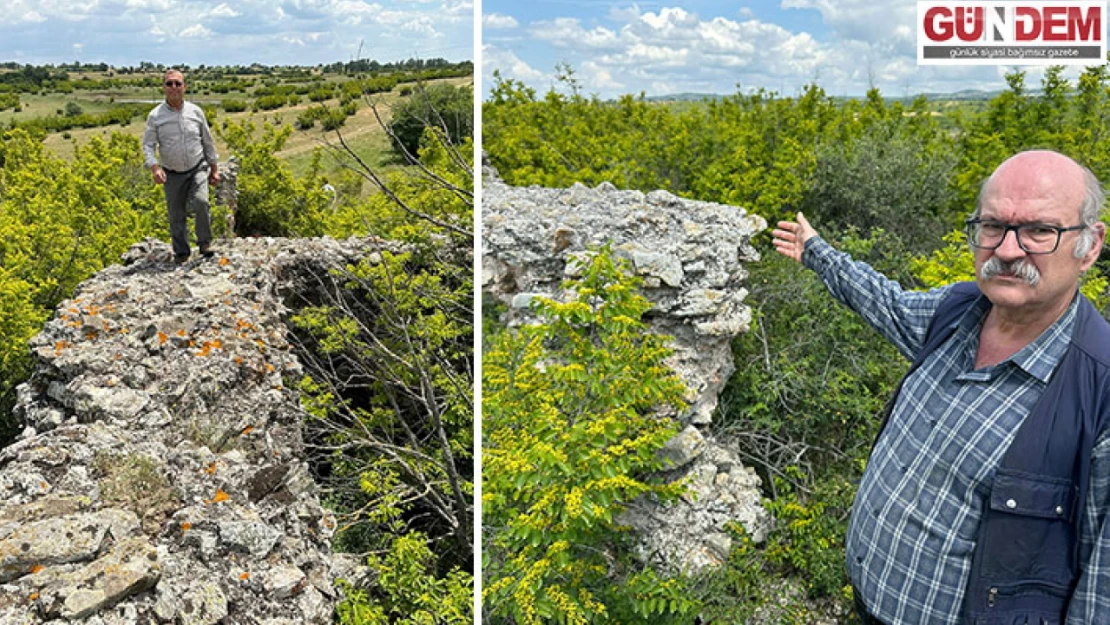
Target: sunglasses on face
(174,83)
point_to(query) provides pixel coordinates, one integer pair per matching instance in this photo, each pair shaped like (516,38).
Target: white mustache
(1020,268)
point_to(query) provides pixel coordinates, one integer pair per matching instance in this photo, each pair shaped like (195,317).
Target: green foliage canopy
(442,106)
(61,221)
(570,434)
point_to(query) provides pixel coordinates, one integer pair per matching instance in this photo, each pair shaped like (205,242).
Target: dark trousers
(865,617)
(187,193)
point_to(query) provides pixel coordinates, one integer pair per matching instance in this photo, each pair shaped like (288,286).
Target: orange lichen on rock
(219,496)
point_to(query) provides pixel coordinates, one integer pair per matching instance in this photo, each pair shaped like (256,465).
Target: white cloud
(422,25)
(496,20)
(598,77)
(196,31)
(156,30)
(567,32)
(460,9)
(860,20)
(654,45)
(222,10)
(508,64)
(236,31)
(149,5)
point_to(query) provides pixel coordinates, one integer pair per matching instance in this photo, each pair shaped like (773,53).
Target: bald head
(1050,175)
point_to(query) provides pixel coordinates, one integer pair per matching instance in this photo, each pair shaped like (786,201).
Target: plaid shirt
(916,514)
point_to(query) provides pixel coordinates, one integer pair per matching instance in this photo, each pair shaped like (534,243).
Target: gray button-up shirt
(182,138)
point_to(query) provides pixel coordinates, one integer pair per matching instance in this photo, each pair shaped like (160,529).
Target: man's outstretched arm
(900,316)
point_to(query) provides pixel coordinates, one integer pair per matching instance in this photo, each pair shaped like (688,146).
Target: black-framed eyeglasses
(986,234)
(173,83)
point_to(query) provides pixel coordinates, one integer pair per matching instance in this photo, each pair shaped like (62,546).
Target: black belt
(181,173)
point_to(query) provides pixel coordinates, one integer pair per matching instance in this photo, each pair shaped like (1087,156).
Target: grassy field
(361,131)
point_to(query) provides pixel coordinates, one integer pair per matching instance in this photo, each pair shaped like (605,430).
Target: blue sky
(710,46)
(283,32)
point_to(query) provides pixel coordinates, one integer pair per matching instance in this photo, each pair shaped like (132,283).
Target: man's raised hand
(790,237)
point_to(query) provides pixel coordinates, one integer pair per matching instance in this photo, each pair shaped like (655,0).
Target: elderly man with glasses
(986,498)
(188,162)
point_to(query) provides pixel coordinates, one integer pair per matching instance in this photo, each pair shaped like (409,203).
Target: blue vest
(1026,561)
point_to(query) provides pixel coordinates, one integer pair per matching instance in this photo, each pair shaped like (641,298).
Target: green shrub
(407,591)
(888,178)
(272,201)
(810,374)
(570,436)
(270,102)
(234,106)
(333,120)
(438,106)
(61,221)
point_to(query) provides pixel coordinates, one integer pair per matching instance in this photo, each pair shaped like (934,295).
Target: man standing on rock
(987,495)
(179,131)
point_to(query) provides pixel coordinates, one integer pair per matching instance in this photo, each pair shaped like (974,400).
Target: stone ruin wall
(691,256)
(162,476)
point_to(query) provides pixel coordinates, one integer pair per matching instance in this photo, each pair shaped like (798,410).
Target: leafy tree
(885,178)
(272,201)
(233,106)
(61,221)
(387,345)
(445,107)
(570,437)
